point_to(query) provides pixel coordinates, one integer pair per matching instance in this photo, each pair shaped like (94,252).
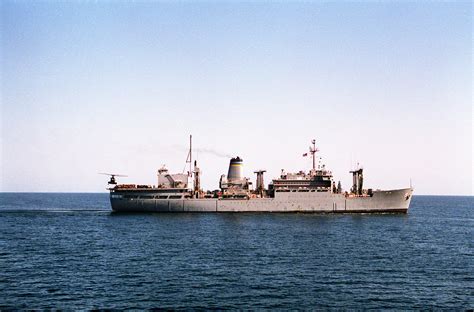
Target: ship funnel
(236,170)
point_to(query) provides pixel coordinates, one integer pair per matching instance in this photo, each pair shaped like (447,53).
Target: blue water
(69,251)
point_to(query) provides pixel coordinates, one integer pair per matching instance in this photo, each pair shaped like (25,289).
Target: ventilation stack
(236,170)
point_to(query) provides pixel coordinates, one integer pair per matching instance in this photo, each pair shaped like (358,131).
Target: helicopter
(112,177)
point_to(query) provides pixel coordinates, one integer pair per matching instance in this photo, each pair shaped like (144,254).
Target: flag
(305,154)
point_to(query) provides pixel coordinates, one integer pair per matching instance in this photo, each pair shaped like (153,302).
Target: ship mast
(313,151)
(189,159)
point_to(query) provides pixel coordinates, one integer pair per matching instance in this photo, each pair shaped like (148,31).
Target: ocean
(69,251)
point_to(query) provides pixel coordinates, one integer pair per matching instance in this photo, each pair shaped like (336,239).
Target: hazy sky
(113,86)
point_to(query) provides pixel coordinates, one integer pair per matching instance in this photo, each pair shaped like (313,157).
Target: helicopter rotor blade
(113,174)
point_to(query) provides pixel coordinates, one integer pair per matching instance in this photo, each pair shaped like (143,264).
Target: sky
(118,86)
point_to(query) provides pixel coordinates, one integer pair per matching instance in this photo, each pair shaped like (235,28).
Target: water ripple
(82,256)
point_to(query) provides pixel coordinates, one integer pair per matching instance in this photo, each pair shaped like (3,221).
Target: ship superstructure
(313,191)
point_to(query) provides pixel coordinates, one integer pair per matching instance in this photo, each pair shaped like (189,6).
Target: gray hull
(393,201)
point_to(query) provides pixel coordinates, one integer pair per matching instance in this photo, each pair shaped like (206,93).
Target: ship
(313,192)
